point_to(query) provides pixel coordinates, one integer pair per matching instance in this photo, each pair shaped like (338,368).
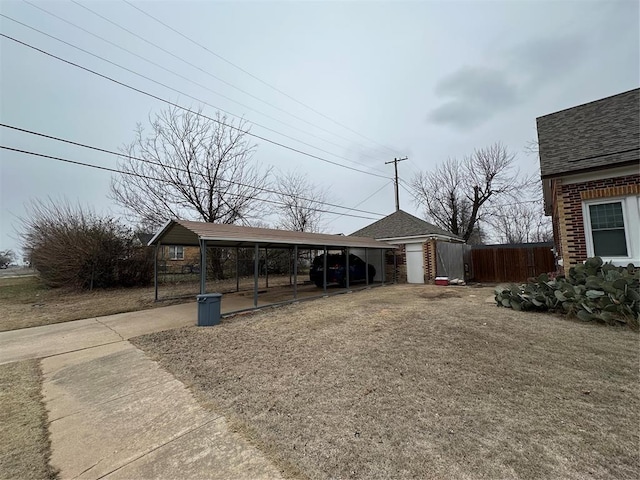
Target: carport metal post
(237,269)
(346,256)
(395,266)
(256,267)
(295,272)
(203,267)
(366,265)
(324,271)
(382,252)
(266,266)
(155,272)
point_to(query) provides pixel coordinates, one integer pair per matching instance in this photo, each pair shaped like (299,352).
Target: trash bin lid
(208,295)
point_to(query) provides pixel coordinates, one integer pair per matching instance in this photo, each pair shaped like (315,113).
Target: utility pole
(395,164)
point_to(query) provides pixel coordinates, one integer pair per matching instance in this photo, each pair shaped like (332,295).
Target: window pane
(606,215)
(609,243)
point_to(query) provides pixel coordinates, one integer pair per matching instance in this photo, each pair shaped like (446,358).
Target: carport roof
(189,233)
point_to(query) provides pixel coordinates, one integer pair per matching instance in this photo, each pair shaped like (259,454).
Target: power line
(183,77)
(204,71)
(168,102)
(361,202)
(190,96)
(176,168)
(416,196)
(114,170)
(254,76)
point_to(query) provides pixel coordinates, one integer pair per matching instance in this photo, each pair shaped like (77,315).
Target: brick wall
(191,257)
(429,252)
(401,265)
(568,225)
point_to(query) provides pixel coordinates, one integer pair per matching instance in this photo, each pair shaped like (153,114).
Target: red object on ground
(442,280)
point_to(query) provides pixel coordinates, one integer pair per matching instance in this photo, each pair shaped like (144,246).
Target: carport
(203,235)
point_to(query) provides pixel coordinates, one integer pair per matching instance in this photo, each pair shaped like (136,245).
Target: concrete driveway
(115,413)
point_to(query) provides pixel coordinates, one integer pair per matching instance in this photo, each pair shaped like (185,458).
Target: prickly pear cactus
(593,291)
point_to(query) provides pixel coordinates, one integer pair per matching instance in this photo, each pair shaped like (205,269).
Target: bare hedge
(71,246)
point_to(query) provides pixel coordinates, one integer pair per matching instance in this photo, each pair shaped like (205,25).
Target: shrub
(591,291)
(6,257)
(75,247)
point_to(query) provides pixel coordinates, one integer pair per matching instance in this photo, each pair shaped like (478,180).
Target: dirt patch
(24,439)
(366,386)
(441,294)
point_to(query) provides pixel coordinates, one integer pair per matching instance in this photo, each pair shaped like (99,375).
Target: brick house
(416,258)
(178,259)
(173,258)
(589,164)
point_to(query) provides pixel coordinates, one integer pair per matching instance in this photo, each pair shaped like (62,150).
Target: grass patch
(24,437)
(27,302)
(419,382)
(21,289)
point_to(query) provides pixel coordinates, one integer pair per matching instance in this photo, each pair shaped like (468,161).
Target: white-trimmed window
(176,252)
(612,229)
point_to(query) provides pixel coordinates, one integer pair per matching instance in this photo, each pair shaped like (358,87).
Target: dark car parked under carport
(336,270)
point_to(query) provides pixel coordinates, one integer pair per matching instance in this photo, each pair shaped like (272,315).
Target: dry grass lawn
(24,438)
(419,382)
(26,302)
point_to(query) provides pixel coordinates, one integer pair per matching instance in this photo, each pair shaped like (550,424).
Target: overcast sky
(428,79)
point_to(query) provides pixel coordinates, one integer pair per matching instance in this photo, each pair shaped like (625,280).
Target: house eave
(607,170)
(433,236)
(161,232)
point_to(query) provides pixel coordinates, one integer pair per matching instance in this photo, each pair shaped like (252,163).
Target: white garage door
(415,263)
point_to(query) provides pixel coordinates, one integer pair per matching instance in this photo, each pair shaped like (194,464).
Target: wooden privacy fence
(511,263)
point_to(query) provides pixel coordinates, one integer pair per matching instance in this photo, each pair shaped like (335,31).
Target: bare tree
(457,195)
(521,223)
(190,167)
(532,147)
(299,203)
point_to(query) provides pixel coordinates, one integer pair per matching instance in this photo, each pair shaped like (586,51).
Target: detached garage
(417,261)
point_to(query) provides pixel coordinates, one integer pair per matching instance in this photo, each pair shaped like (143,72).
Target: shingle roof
(184,232)
(595,135)
(402,224)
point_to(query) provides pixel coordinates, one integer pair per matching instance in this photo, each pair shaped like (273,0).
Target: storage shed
(416,239)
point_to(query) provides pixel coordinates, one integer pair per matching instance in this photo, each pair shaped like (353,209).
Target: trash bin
(209,309)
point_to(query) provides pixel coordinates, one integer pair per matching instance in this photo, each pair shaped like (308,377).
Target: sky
(357,83)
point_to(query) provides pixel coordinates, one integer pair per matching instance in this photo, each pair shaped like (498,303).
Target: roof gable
(592,136)
(402,224)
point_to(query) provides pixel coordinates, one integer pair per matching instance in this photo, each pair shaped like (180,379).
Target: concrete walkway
(115,413)
(38,342)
